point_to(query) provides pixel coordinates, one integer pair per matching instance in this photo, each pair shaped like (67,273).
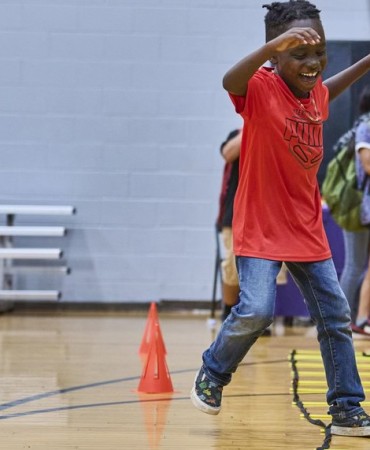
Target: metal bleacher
(14,259)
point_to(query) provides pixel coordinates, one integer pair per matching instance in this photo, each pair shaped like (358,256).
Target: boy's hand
(294,37)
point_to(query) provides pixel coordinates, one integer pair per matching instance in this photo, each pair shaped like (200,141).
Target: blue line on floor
(126,402)
(36,397)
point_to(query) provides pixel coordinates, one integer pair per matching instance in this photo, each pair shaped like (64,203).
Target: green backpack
(339,188)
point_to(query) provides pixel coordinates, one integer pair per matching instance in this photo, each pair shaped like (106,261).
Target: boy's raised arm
(236,79)
(342,80)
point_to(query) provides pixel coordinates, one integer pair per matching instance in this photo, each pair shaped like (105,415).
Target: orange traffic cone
(156,378)
(150,330)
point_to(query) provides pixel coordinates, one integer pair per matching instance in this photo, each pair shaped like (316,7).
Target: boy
(277,210)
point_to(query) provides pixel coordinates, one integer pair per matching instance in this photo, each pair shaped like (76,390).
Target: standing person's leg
(364,301)
(329,309)
(356,255)
(230,280)
(246,322)
(361,326)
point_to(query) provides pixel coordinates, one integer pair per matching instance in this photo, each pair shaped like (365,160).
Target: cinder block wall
(116,107)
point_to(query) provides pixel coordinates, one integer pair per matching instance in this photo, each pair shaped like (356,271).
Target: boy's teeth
(309,74)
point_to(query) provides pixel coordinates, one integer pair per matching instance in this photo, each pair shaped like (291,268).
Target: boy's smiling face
(301,66)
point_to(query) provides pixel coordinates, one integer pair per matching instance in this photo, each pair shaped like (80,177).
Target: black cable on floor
(295,383)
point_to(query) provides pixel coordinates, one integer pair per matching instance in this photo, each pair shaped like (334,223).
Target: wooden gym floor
(69,381)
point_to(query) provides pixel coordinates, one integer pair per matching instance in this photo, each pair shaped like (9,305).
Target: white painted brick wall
(116,107)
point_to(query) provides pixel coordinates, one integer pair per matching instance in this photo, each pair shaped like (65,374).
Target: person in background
(356,284)
(230,150)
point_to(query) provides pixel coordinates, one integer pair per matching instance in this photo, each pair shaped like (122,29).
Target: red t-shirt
(277,209)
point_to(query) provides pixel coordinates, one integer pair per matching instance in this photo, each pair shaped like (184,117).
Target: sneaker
(362,331)
(206,395)
(358,425)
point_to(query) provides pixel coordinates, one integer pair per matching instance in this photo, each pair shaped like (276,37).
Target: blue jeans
(328,307)
(356,251)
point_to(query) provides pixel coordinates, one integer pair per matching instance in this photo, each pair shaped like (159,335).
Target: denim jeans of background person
(355,278)
(356,254)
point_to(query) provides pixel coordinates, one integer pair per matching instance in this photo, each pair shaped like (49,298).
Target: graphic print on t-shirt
(305,141)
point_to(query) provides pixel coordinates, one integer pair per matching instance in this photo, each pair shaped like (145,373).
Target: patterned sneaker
(206,395)
(354,426)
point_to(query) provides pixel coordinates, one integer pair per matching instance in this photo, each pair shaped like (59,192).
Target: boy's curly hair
(282,13)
